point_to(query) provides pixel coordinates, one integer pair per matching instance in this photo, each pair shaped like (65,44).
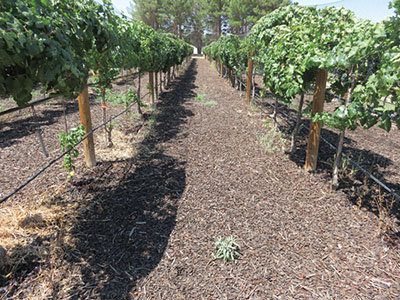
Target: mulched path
(144,227)
(21,154)
(376,150)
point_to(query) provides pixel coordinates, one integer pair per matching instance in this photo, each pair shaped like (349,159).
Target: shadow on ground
(128,214)
(31,123)
(124,213)
(358,187)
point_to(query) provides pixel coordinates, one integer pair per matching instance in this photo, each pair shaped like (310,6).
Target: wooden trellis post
(86,121)
(249,75)
(315,127)
(156,84)
(151,87)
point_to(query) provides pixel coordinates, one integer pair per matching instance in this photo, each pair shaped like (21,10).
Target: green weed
(227,249)
(152,120)
(210,103)
(67,142)
(118,97)
(200,97)
(273,140)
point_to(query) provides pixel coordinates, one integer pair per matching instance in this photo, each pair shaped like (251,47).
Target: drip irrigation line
(39,101)
(54,160)
(30,104)
(333,147)
(397,196)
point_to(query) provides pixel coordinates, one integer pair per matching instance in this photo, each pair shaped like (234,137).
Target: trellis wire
(39,101)
(54,160)
(333,147)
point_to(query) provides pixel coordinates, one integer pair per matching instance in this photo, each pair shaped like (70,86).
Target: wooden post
(249,74)
(151,87)
(315,127)
(161,83)
(138,94)
(222,69)
(156,84)
(86,121)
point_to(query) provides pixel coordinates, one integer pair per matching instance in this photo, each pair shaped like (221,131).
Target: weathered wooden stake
(229,77)
(138,94)
(315,127)
(161,83)
(249,75)
(151,87)
(86,121)
(156,84)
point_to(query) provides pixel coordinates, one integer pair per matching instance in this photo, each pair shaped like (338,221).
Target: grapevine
(67,143)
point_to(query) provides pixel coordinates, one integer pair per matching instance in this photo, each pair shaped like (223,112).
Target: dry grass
(123,147)
(36,237)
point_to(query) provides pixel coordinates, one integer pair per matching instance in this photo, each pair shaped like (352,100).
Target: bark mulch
(144,227)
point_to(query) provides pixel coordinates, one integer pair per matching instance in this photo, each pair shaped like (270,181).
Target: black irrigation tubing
(30,104)
(333,147)
(54,160)
(39,101)
(347,157)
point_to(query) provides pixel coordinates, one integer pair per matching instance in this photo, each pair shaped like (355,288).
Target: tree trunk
(338,159)
(104,112)
(161,82)
(249,75)
(275,113)
(151,87)
(156,84)
(138,94)
(298,121)
(219,26)
(65,115)
(254,83)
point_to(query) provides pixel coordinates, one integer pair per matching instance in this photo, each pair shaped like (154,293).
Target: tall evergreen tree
(216,13)
(178,11)
(148,11)
(243,14)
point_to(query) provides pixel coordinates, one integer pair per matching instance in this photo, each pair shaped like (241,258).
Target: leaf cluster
(232,51)
(68,142)
(55,43)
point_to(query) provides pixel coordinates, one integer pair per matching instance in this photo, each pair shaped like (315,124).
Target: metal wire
(54,160)
(343,154)
(39,101)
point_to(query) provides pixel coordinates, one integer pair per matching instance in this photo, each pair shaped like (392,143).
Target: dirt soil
(143,223)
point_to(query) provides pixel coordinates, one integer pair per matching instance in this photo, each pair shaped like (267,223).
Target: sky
(374,10)
(122,5)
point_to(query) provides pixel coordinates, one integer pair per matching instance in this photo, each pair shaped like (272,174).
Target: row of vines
(55,45)
(300,49)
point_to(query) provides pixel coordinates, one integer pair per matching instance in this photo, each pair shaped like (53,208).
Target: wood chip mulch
(145,227)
